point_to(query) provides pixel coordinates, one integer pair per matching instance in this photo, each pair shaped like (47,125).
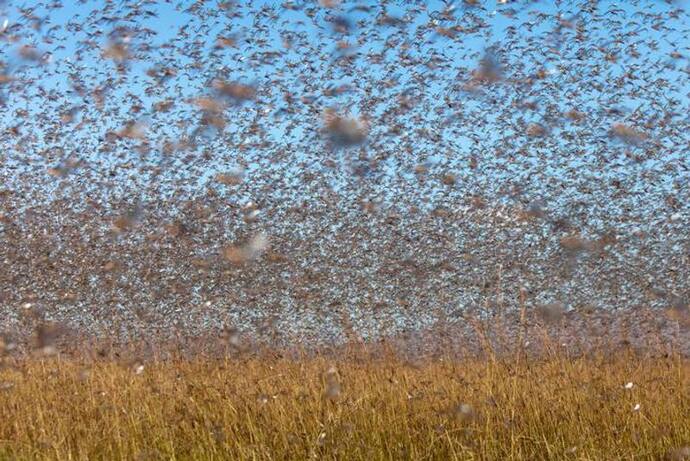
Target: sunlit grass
(351,407)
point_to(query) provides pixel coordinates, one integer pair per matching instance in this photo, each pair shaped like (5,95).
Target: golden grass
(347,408)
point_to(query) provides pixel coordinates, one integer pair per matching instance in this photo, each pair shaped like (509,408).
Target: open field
(352,405)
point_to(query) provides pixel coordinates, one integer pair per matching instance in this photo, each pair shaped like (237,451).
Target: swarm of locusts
(324,229)
(316,172)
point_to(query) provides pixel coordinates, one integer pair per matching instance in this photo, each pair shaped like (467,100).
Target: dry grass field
(351,406)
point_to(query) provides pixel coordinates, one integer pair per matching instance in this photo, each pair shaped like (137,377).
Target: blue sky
(280,50)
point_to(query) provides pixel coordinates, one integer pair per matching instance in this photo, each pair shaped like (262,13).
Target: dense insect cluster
(308,171)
